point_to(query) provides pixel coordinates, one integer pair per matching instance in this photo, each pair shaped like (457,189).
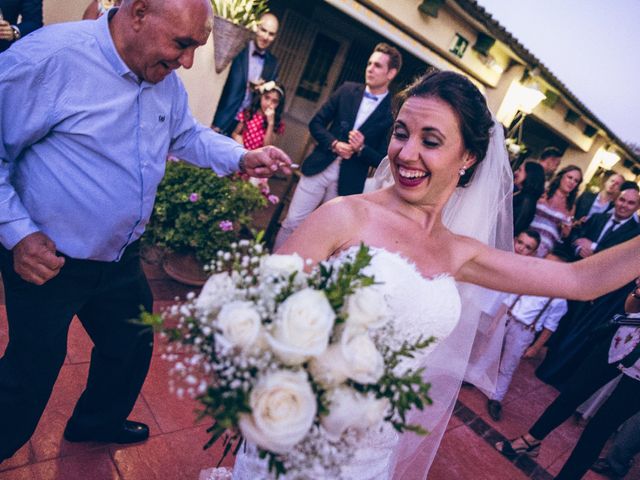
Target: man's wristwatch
(16,33)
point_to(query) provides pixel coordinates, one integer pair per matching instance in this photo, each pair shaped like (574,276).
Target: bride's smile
(427,151)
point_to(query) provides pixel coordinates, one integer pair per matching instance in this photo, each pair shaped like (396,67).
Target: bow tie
(370,96)
(257,53)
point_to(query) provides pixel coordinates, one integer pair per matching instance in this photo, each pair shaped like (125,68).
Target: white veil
(482,210)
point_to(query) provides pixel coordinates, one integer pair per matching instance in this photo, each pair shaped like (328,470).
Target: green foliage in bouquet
(242,349)
(197,211)
(241,12)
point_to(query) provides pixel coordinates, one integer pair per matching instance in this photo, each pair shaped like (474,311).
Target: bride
(448,166)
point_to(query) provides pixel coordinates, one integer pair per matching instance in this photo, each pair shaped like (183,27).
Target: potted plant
(234,22)
(197,213)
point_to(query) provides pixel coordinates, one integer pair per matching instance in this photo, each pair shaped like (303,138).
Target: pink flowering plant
(197,211)
(299,363)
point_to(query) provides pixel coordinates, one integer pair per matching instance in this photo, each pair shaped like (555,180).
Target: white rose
(240,323)
(218,290)
(302,326)
(283,408)
(365,363)
(281,265)
(366,308)
(329,368)
(350,409)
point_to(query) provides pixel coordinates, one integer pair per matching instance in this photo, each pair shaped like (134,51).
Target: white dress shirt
(527,308)
(367,106)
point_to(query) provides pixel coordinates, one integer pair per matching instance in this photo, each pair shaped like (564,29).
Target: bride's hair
(468,103)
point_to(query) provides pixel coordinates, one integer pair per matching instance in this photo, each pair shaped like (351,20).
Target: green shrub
(193,207)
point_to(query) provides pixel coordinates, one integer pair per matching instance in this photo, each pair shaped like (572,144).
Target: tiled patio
(174,450)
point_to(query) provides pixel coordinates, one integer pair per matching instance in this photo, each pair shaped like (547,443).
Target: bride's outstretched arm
(582,280)
(326,231)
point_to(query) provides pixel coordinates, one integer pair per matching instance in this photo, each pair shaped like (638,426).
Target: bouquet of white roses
(296,363)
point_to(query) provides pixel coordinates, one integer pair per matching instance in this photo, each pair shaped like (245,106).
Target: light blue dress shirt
(83,142)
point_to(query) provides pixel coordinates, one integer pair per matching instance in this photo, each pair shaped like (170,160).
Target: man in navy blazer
(30,12)
(352,130)
(253,66)
(590,203)
(605,230)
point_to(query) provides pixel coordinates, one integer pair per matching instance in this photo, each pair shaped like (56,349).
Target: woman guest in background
(97,7)
(554,211)
(528,182)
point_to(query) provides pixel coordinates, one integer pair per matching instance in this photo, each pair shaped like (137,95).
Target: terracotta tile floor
(174,450)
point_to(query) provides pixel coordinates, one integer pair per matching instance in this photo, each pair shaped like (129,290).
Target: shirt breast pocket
(159,125)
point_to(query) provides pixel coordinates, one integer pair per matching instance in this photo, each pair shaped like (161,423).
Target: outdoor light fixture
(607,159)
(520,100)
(528,97)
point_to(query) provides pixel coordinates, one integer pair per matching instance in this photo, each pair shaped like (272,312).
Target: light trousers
(310,193)
(517,338)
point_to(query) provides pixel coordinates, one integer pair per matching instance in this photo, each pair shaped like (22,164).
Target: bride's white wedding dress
(418,306)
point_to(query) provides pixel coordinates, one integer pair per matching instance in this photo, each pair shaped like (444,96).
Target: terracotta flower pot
(184,268)
(228,41)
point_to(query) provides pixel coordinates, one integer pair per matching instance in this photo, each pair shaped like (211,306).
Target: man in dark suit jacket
(604,230)
(590,203)
(253,66)
(573,339)
(30,12)
(352,130)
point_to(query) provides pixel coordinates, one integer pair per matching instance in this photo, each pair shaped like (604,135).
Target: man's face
(167,38)
(612,185)
(627,204)
(378,74)
(523,244)
(550,164)
(266,31)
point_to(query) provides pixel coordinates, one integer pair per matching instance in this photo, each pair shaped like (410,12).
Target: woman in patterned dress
(554,211)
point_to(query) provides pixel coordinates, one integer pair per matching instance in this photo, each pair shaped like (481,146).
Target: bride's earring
(462,171)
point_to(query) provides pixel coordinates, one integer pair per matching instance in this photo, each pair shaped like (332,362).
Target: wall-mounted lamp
(607,159)
(528,97)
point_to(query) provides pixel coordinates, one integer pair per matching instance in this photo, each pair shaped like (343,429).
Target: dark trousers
(106,297)
(592,374)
